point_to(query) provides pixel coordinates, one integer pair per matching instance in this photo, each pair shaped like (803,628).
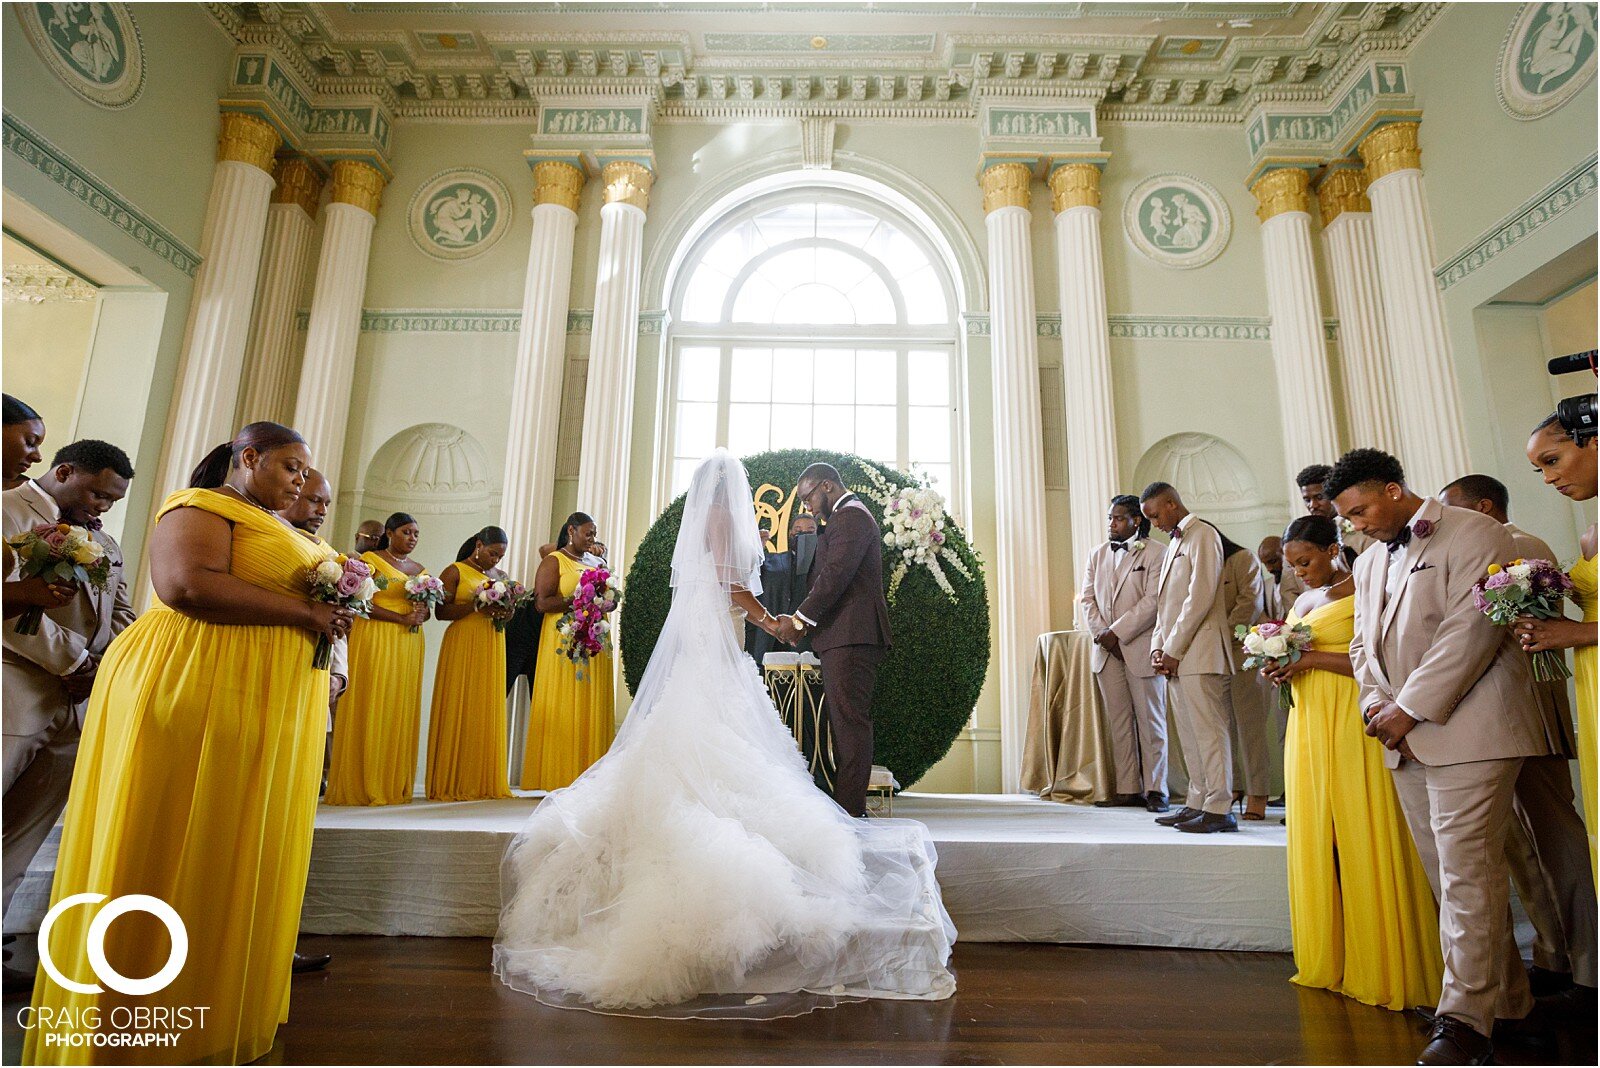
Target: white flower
(1252,643)
(1275,646)
(1520,572)
(1135,545)
(327,572)
(368,590)
(87,552)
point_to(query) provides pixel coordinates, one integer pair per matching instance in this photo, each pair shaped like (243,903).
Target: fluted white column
(322,405)
(1363,335)
(1022,591)
(1090,414)
(1434,429)
(613,348)
(1299,349)
(271,370)
(207,389)
(541,357)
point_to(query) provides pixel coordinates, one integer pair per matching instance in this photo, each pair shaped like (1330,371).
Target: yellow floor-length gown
(1585,662)
(570,721)
(467,725)
(196,783)
(375,731)
(1360,908)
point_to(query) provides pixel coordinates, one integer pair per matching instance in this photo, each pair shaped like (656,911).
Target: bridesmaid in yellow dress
(570,720)
(1361,910)
(196,778)
(467,727)
(1574,470)
(375,731)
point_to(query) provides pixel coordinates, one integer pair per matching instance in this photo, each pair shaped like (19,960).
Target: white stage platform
(1013,869)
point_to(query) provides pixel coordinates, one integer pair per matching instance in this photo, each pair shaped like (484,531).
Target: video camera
(1577,415)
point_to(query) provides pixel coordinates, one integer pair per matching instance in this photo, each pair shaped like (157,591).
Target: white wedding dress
(696,870)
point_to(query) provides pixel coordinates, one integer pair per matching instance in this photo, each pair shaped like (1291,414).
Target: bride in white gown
(696,870)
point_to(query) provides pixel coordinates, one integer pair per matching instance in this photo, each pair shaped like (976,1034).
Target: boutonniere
(1135,545)
(1422,528)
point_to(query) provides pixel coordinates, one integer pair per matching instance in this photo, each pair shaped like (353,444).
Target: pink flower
(350,582)
(1270,629)
(1479,601)
(1500,581)
(52,535)
(1422,528)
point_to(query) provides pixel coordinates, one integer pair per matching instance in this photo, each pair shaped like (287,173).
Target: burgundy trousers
(849,675)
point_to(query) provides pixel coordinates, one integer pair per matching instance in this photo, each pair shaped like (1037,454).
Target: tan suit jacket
(1244,592)
(1431,651)
(33,664)
(1123,599)
(1191,617)
(1552,696)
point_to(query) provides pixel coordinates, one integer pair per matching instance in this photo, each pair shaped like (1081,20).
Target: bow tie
(1401,539)
(1119,546)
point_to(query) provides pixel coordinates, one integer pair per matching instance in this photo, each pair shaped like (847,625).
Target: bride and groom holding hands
(695,870)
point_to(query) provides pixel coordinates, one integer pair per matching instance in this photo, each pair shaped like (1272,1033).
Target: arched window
(814,318)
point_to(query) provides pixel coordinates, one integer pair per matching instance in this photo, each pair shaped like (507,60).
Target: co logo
(97,943)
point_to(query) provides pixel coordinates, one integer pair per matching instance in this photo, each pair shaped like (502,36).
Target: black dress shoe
(1452,1042)
(1210,823)
(1155,801)
(15,980)
(1544,983)
(1122,801)
(1180,816)
(310,962)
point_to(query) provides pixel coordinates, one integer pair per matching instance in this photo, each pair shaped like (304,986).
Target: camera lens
(1577,416)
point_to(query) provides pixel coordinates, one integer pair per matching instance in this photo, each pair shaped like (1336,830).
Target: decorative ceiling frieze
(473,62)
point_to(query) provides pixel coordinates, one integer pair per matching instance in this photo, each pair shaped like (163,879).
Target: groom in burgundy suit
(850,618)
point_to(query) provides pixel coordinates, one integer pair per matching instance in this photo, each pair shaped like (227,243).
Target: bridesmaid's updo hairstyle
(14,411)
(395,522)
(488,536)
(212,472)
(1318,530)
(576,519)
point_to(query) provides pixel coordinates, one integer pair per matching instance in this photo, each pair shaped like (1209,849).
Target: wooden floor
(433,1001)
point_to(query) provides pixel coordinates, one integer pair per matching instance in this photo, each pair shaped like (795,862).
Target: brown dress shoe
(1452,1042)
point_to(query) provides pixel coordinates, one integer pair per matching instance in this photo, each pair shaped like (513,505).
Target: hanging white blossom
(914,527)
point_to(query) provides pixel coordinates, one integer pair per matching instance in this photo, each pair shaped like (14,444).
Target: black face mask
(804,547)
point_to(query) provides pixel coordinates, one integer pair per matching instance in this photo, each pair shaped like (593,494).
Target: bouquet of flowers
(1526,588)
(59,552)
(424,589)
(914,521)
(1275,643)
(584,630)
(506,594)
(347,581)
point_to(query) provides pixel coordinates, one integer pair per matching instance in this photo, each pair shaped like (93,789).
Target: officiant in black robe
(785,581)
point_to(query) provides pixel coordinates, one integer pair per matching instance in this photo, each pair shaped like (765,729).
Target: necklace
(1336,583)
(251,498)
(567,549)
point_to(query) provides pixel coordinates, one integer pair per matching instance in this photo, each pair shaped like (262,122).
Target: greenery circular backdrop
(928,684)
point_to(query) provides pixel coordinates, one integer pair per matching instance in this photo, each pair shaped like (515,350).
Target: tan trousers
(38,774)
(1459,816)
(1548,854)
(1247,725)
(1200,710)
(1136,726)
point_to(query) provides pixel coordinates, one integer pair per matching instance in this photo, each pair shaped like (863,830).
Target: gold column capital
(358,184)
(1075,185)
(247,139)
(1006,185)
(1343,189)
(298,183)
(555,182)
(627,182)
(1283,190)
(1390,148)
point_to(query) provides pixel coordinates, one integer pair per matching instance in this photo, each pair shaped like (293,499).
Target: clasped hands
(785,628)
(1389,723)
(1108,640)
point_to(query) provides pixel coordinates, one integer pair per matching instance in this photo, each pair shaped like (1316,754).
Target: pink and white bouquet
(59,552)
(503,595)
(1526,588)
(583,629)
(426,590)
(914,520)
(346,581)
(1275,643)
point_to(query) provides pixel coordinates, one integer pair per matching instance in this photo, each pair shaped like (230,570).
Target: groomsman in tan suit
(1311,482)
(1191,646)
(1547,850)
(1244,600)
(1119,607)
(1450,696)
(1283,584)
(48,675)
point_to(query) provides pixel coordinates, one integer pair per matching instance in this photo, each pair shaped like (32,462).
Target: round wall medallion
(459,213)
(93,48)
(1177,220)
(1548,56)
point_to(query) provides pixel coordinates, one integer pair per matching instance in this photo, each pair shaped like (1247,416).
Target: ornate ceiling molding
(44,283)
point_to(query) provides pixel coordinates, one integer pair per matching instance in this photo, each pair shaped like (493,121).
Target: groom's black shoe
(310,962)
(1210,823)
(1122,801)
(1156,801)
(1183,815)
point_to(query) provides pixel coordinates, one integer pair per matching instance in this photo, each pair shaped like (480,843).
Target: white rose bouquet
(346,581)
(1275,643)
(914,526)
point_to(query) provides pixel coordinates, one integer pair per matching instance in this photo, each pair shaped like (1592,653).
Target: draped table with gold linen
(1066,755)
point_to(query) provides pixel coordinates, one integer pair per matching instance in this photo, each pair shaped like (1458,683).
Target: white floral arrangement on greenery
(914,522)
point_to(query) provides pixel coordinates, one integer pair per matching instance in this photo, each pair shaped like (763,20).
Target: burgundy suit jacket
(846,600)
